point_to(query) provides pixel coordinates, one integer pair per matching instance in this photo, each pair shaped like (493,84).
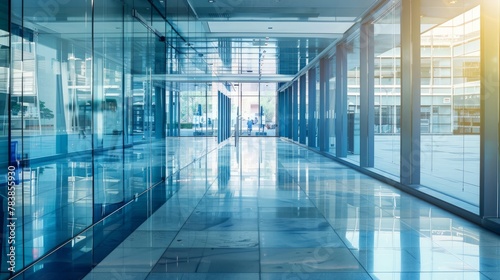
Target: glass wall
(51,116)
(107,97)
(438,149)
(250,109)
(267,103)
(193,109)
(450,96)
(387,90)
(86,128)
(311,110)
(7,161)
(199,108)
(258,108)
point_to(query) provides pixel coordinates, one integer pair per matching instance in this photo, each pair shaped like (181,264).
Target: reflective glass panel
(387,83)
(450,102)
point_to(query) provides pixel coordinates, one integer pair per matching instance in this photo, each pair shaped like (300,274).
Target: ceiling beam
(202,78)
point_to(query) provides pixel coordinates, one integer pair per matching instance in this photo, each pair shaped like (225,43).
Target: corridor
(270,209)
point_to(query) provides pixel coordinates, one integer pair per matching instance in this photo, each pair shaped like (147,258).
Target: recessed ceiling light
(211,1)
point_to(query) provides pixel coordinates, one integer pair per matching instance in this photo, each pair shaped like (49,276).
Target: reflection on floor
(272,210)
(61,197)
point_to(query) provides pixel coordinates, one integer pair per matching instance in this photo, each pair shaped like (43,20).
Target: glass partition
(8,159)
(107,111)
(86,117)
(258,108)
(267,102)
(387,88)
(450,112)
(51,127)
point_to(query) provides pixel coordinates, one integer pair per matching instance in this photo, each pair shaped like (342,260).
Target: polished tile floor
(270,209)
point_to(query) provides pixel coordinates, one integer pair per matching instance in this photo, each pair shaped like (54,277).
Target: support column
(295,116)
(410,92)
(302,110)
(289,112)
(171,114)
(311,126)
(228,117)
(323,89)
(160,113)
(341,102)
(279,121)
(490,102)
(61,133)
(220,120)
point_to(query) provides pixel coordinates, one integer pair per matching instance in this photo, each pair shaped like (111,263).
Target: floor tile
(299,239)
(299,260)
(294,224)
(216,239)
(209,260)
(290,213)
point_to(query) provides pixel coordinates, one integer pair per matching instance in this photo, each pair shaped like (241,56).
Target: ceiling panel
(263,36)
(277,9)
(269,28)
